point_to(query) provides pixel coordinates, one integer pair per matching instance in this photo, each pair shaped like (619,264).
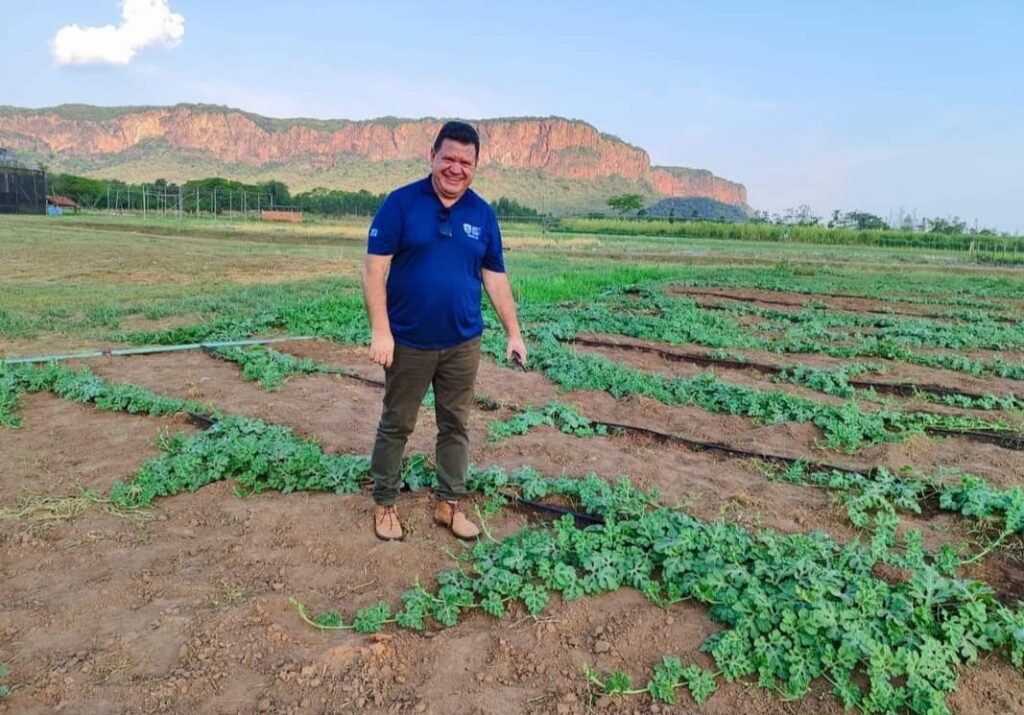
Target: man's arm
(375,294)
(500,293)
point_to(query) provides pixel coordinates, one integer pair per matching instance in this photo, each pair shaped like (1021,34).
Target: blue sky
(857,105)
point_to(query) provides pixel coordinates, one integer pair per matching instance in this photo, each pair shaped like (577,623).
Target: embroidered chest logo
(472,231)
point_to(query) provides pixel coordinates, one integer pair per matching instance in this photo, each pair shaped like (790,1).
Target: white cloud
(143,23)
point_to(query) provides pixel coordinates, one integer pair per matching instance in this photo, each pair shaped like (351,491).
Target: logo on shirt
(472,231)
(373,233)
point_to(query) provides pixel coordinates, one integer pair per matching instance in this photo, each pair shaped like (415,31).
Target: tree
(84,191)
(335,202)
(509,208)
(278,193)
(800,216)
(626,203)
(861,220)
(946,226)
(866,221)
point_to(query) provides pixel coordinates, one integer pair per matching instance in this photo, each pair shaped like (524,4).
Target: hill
(698,208)
(551,163)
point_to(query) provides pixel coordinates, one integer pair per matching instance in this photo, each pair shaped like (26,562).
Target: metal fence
(22,191)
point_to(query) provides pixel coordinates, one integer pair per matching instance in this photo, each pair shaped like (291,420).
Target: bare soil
(184,608)
(780,300)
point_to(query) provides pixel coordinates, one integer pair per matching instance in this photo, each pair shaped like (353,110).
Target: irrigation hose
(150,350)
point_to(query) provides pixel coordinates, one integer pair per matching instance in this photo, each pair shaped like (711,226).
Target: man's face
(452,168)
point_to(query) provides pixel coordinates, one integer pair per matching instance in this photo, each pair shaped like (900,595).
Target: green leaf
(700,683)
(372,618)
(535,598)
(618,683)
(329,619)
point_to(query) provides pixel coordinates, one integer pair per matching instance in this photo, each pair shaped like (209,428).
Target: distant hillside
(550,163)
(699,209)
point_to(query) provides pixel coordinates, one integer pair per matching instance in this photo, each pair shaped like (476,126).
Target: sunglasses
(446,224)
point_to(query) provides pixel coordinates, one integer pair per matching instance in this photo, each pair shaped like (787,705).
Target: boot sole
(388,538)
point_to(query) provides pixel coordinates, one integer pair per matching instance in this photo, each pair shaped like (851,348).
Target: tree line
(631,205)
(217,195)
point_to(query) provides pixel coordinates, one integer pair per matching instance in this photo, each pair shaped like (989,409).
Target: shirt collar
(427,187)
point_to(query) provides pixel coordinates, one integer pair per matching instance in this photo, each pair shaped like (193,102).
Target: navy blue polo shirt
(434,286)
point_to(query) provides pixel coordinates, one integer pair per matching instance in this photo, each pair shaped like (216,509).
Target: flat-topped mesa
(554,147)
(680,181)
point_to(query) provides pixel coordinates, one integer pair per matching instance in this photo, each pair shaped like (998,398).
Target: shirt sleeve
(385,236)
(494,259)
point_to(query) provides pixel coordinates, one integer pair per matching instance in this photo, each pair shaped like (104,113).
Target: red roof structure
(63,201)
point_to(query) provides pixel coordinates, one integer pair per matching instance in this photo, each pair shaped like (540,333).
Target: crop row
(838,381)
(840,425)
(794,607)
(681,321)
(236,447)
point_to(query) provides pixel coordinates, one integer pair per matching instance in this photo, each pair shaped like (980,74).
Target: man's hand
(382,349)
(516,346)
(500,293)
(375,276)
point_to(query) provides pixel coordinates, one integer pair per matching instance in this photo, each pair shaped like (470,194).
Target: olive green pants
(452,372)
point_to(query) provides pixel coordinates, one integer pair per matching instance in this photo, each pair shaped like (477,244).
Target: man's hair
(459,132)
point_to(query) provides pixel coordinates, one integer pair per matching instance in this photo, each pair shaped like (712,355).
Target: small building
(57,205)
(280,213)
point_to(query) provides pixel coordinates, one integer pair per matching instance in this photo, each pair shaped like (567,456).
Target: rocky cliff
(98,140)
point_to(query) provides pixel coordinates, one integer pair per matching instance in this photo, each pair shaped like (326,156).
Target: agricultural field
(736,477)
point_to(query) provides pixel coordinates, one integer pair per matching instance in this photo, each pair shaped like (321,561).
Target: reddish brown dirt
(11,348)
(894,371)
(185,609)
(780,300)
(748,377)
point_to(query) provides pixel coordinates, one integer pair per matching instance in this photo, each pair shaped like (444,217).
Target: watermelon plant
(564,417)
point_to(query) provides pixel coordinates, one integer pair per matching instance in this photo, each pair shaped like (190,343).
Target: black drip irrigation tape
(768,301)
(696,358)
(1001,439)
(909,389)
(697,445)
(559,510)
(201,421)
(903,389)
(352,376)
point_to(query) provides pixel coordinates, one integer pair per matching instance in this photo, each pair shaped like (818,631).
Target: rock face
(677,181)
(553,147)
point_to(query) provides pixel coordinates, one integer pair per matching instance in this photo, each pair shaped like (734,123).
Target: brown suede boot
(386,525)
(450,514)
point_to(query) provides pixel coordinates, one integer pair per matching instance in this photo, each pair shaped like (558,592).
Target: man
(432,245)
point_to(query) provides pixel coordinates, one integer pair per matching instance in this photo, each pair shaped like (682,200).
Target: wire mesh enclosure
(22,191)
